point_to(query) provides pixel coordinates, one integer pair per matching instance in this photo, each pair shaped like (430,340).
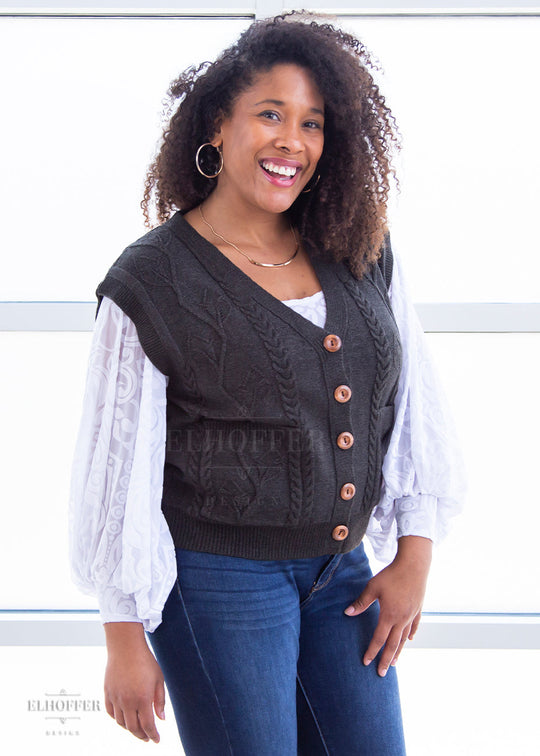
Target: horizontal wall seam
(196,14)
(441,317)
(232,13)
(435,631)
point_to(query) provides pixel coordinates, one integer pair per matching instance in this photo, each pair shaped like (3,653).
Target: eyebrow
(280,103)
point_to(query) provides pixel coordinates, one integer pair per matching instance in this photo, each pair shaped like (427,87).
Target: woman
(246,380)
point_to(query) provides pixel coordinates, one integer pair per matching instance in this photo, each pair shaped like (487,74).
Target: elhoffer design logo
(62,712)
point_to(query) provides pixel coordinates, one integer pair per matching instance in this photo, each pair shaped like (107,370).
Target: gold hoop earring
(197,161)
(306,191)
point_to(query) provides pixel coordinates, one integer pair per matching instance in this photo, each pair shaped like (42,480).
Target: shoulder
(152,250)
(378,272)
(141,282)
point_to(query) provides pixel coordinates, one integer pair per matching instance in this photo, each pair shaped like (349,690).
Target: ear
(217,139)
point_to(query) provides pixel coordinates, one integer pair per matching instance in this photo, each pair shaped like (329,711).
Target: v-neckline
(230,276)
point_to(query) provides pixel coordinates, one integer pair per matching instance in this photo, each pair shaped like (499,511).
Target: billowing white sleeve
(120,546)
(423,472)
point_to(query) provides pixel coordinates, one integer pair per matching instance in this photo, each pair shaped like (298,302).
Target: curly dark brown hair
(344,217)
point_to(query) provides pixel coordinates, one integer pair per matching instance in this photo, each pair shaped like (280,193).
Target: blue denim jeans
(260,660)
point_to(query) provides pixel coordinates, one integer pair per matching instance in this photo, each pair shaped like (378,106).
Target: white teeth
(281,170)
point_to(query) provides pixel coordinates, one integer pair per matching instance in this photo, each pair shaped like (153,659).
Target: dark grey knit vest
(255,463)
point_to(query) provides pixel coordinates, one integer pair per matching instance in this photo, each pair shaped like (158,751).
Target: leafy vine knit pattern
(276,428)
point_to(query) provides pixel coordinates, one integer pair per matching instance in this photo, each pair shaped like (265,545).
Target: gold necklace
(263,265)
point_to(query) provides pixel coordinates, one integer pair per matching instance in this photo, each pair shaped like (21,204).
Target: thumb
(365,600)
(159,700)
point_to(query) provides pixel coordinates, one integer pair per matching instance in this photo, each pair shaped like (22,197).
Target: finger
(378,640)
(404,637)
(365,600)
(148,723)
(118,715)
(414,626)
(109,708)
(390,648)
(133,724)
(159,700)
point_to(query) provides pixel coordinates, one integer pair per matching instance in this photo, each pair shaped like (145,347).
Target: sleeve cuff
(106,617)
(416,515)
(115,606)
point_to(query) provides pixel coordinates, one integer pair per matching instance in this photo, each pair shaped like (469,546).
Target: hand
(133,681)
(400,588)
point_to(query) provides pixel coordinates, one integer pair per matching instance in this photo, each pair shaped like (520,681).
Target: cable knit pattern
(384,364)
(301,499)
(239,478)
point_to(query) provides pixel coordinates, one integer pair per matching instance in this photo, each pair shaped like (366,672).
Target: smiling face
(272,140)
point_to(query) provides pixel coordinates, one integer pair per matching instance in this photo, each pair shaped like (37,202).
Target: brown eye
(269,114)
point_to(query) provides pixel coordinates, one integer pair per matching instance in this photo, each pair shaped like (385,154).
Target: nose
(289,138)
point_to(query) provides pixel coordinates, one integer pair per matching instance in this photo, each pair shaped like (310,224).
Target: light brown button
(347,491)
(340,532)
(342,393)
(345,440)
(332,342)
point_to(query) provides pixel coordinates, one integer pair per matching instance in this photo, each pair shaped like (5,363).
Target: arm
(134,686)
(120,547)
(423,486)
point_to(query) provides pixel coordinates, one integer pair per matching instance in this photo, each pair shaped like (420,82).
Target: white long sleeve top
(121,549)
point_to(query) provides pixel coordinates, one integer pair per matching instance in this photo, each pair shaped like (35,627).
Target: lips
(280,172)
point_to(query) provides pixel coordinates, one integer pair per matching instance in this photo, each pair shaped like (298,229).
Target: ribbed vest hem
(260,542)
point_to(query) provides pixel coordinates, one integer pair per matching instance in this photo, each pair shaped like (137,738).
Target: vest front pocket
(241,471)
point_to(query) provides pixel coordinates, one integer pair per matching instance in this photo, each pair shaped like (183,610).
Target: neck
(251,226)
